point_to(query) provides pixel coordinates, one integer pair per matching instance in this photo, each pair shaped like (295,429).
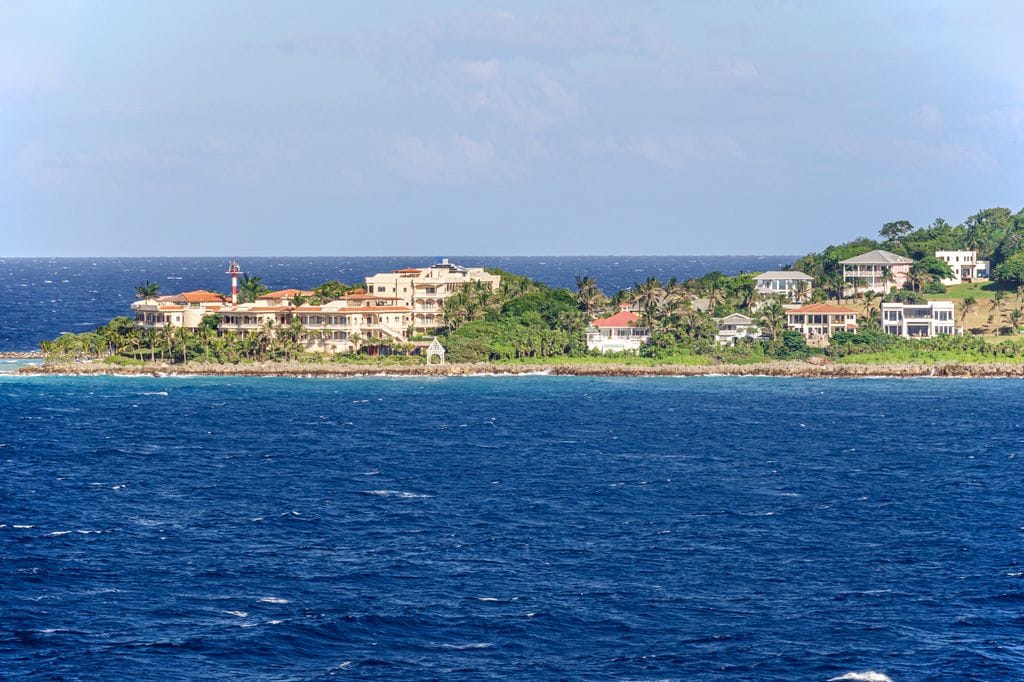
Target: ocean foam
(273,600)
(866,676)
(396,493)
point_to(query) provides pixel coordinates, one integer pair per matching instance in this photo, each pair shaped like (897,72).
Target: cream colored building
(342,326)
(425,290)
(186,309)
(819,321)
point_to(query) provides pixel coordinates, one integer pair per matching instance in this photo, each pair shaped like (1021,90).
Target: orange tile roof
(285,293)
(197,296)
(165,308)
(407,270)
(620,319)
(822,308)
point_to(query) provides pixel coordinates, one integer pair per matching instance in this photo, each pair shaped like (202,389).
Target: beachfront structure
(965,266)
(342,326)
(790,284)
(919,320)
(186,309)
(618,333)
(425,290)
(878,270)
(819,321)
(733,327)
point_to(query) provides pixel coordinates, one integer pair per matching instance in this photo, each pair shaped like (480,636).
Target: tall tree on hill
(896,230)
(969,304)
(801,291)
(147,290)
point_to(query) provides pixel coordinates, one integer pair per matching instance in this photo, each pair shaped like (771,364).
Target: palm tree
(1015,316)
(586,293)
(870,296)
(966,307)
(887,278)
(147,290)
(801,291)
(918,279)
(773,319)
(251,288)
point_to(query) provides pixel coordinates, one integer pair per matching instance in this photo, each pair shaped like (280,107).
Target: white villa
(965,266)
(735,326)
(919,320)
(819,321)
(867,271)
(425,290)
(785,283)
(618,333)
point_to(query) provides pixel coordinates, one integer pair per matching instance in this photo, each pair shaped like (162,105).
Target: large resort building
(395,308)
(424,290)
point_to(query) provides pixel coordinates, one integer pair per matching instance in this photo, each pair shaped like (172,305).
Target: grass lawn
(979,290)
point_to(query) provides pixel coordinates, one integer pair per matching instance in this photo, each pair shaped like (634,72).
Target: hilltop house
(868,271)
(425,290)
(620,332)
(965,266)
(919,320)
(785,283)
(733,327)
(818,321)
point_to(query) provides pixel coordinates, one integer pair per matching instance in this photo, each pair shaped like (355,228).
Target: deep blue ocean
(43,297)
(529,527)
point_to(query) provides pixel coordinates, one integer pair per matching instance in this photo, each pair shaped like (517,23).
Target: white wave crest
(273,600)
(396,493)
(464,647)
(866,676)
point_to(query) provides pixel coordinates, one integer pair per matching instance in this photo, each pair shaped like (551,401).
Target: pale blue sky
(320,128)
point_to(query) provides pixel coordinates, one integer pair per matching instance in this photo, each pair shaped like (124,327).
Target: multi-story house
(919,320)
(426,289)
(819,321)
(186,309)
(965,266)
(879,271)
(735,326)
(792,285)
(618,333)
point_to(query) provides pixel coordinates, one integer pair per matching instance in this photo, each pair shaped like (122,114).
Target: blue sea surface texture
(530,527)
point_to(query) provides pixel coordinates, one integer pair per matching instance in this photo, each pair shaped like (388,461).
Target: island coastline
(780,369)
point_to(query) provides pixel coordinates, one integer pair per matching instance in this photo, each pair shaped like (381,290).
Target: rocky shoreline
(20,355)
(771,369)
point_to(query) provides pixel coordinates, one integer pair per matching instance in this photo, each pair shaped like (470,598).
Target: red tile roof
(620,319)
(408,270)
(822,309)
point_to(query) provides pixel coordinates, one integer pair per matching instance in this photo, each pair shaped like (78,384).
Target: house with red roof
(819,321)
(618,333)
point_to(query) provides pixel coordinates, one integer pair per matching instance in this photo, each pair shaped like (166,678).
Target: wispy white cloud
(457,159)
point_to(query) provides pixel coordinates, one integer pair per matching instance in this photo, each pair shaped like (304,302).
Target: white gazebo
(435,349)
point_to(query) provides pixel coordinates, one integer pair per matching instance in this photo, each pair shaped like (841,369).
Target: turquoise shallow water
(529,527)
